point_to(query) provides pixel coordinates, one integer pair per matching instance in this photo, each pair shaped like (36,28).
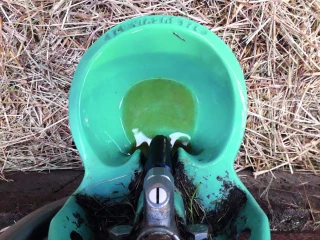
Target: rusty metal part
(158,233)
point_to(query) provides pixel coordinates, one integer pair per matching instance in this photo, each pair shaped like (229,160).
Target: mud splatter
(79,221)
(103,213)
(227,208)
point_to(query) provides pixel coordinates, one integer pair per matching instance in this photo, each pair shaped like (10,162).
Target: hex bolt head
(197,232)
(120,232)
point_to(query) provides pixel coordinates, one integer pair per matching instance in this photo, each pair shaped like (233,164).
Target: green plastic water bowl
(191,84)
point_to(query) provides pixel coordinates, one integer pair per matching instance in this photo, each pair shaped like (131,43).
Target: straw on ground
(277,44)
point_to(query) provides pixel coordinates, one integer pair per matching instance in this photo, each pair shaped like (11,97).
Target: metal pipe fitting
(159,209)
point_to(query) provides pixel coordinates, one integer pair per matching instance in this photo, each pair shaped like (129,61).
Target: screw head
(158,195)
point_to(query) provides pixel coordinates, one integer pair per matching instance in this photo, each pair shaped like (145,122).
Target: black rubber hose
(159,153)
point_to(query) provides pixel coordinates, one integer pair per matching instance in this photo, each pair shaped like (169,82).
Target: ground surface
(276,42)
(30,191)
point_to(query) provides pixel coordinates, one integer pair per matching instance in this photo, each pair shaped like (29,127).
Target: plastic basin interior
(157,47)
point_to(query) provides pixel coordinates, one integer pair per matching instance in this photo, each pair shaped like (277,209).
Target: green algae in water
(158,106)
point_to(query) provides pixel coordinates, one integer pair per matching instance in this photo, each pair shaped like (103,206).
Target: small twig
(177,35)
(191,202)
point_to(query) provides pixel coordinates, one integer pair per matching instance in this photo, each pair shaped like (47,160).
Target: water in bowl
(158,106)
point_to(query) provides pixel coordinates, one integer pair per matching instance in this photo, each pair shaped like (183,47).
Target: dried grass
(277,43)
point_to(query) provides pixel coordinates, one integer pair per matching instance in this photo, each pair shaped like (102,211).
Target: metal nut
(197,232)
(120,232)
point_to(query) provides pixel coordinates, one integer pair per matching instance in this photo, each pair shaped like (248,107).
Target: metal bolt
(197,232)
(120,232)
